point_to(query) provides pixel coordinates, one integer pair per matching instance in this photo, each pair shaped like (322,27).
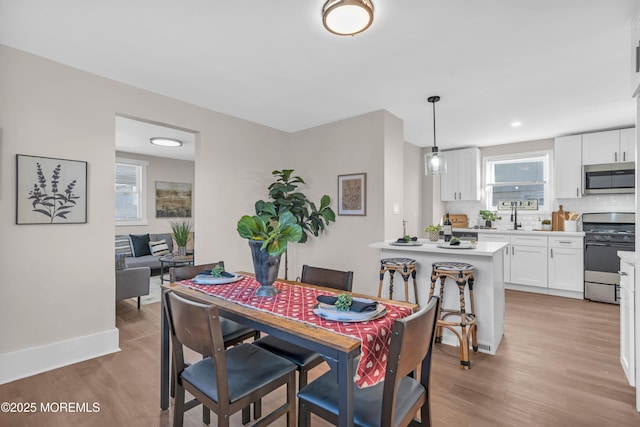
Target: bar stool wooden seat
(462,274)
(406,267)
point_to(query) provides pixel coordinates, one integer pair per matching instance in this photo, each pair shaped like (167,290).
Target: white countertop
(480,249)
(520,231)
(628,257)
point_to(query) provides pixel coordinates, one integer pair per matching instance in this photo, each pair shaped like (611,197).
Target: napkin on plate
(359,306)
(223,274)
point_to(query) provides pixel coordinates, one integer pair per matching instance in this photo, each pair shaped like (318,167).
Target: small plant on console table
(181,230)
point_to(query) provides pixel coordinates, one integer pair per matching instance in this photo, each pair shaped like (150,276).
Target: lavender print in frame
(50,191)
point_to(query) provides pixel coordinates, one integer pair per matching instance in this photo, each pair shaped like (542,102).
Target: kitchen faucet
(514,215)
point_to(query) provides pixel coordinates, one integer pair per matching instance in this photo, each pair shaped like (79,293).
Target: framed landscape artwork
(50,191)
(173,200)
(352,194)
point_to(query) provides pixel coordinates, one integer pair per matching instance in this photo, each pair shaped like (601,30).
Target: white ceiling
(559,67)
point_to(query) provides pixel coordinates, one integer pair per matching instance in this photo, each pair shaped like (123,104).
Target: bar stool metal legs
(462,274)
(406,267)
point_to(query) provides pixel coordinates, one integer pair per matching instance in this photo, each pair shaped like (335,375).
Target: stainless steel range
(605,235)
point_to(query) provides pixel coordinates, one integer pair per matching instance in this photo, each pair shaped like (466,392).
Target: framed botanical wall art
(173,200)
(50,191)
(352,194)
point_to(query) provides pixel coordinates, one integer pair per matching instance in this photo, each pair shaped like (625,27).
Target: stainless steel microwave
(611,178)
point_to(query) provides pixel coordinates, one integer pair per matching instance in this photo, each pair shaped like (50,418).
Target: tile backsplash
(528,219)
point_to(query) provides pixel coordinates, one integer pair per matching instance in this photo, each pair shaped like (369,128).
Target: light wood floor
(558,365)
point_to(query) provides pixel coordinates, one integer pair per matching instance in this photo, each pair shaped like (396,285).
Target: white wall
(319,155)
(57,305)
(413,177)
(394,210)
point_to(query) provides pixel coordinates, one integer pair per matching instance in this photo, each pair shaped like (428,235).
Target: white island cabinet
(487,259)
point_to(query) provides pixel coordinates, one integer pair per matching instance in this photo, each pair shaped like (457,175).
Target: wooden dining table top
(321,335)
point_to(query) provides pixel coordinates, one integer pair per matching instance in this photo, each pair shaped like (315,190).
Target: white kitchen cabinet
(614,146)
(566,263)
(627,322)
(536,262)
(462,180)
(568,167)
(628,144)
(529,260)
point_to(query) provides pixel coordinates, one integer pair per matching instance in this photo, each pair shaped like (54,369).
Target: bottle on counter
(447,228)
(560,219)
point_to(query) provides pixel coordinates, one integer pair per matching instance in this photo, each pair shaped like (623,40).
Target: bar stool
(406,267)
(462,274)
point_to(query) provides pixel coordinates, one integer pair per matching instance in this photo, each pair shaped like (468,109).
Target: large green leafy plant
(274,233)
(284,197)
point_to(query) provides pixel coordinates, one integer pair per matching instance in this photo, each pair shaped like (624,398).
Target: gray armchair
(132,282)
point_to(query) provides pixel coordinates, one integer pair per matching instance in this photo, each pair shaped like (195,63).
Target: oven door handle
(597,244)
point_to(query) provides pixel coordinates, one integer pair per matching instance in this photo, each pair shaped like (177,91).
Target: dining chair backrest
(412,339)
(197,327)
(342,280)
(191,271)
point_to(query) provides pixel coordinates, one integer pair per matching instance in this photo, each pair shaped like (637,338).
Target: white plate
(413,243)
(330,312)
(207,279)
(464,244)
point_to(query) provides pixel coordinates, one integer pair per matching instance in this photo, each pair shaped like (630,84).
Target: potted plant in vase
(434,232)
(181,230)
(489,217)
(268,240)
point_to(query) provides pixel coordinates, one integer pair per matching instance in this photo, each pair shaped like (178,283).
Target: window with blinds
(525,177)
(130,179)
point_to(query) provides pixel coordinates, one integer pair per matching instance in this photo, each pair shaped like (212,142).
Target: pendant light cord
(434,124)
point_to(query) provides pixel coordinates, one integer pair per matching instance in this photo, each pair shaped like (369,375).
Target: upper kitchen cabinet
(568,167)
(462,180)
(614,146)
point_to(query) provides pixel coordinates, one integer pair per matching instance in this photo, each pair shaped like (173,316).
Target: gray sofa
(123,246)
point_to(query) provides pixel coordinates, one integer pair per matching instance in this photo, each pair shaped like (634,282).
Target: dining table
(291,315)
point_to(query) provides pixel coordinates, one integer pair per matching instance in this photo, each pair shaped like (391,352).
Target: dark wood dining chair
(233,332)
(304,358)
(226,381)
(396,400)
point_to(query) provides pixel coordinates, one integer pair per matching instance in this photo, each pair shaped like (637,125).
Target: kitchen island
(486,257)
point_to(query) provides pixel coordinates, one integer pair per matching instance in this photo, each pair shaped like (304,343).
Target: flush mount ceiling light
(347,17)
(434,162)
(166,142)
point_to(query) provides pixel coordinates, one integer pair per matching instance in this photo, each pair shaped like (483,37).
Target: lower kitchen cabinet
(529,260)
(536,263)
(566,264)
(529,265)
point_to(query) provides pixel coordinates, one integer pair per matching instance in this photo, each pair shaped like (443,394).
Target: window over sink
(518,177)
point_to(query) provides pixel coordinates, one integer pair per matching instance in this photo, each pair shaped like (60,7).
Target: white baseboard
(35,360)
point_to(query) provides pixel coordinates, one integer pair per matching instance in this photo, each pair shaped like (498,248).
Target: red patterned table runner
(296,302)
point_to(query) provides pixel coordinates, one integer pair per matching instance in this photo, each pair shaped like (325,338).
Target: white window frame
(545,155)
(142,193)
